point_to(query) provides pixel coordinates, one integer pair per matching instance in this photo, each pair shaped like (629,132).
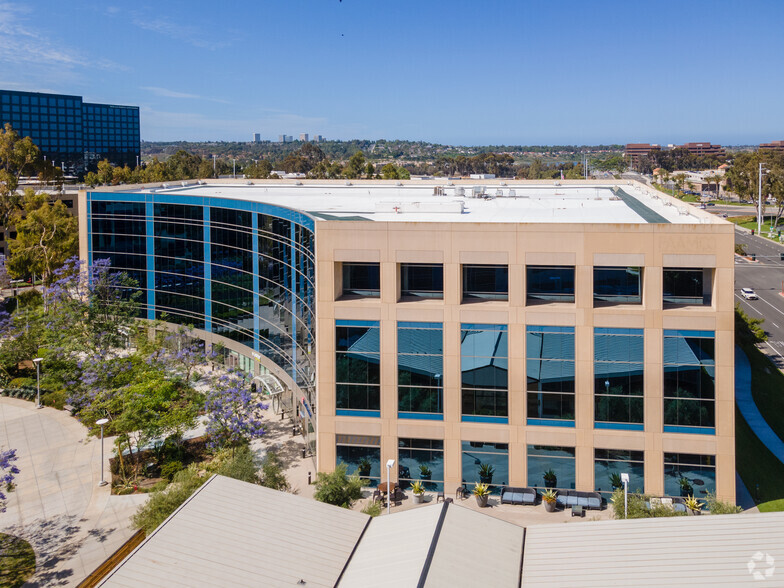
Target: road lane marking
(774,324)
(774,349)
(746,303)
(773,307)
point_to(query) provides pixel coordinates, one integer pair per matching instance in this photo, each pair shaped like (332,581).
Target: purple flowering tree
(233,412)
(8,471)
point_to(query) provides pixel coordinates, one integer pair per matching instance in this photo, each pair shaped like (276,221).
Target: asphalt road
(766,277)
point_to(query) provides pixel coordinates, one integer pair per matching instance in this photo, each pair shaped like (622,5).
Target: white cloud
(167,27)
(166,93)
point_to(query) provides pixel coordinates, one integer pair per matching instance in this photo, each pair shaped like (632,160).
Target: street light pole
(37,361)
(101,423)
(759,212)
(390,464)
(625,480)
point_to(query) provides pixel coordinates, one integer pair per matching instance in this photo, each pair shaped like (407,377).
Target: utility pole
(759,212)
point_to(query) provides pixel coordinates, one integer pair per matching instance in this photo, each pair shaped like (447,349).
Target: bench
(587,500)
(510,495)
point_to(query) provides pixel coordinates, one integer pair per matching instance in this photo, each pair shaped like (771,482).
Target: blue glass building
(71,132)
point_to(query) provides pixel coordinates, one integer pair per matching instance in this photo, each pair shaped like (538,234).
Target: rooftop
(624,202)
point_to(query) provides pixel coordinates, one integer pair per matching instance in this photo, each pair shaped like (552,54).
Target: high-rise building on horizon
(72,133)
(257,137)
(303,137)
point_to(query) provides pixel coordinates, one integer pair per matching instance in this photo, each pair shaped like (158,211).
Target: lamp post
(759,212)
(101,423)
(390,464)
(625,480)
(37,361)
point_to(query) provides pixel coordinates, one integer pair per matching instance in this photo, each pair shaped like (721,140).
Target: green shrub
(373,508)
(338,487)
(717,506)
(239,464)
(23,383)
(637,508)
(55,398)
(272,475)
(164,502)
(170,468)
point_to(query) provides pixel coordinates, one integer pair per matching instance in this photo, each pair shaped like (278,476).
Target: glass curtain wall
(420,370)
(357,373)
(484,365)
(361,454)
(550,283)
(609,464)
(486,463)
(179,264)
(551,467)
(618,378)
(617,285)
(689,381)
(549,368)
(423,460)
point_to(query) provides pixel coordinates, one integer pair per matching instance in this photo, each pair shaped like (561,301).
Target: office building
(704,149)
(285,138)
(73,133)
(772,146)
(257,137)
(495,332)
(636,150)
(303,137)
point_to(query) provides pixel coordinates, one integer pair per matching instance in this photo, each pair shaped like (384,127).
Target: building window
(687,286)
(361,454)
(618,378)
(609,464)
(420,370)
(485,463)
(423,460)
(485,282)
(689,381)
(361,279)
(688,474)
(617,285)
(357,359)
(421,280)
(484,364)
(550,283)
(551,467)
(549,365)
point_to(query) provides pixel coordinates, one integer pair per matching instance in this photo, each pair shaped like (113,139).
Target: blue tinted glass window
(550,467)
(550,373)
(618,375)
(362,459)
(484,366)
(422,280)
(486,463)
(486,282)
(689,379)
(617,285)
(687,286)
(423,460)
(550,283)
(420,368)
(689,474)
(362,279)
(609,464)
(357,361)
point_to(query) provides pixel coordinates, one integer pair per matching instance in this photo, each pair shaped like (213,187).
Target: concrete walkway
(749,410)
(71,522)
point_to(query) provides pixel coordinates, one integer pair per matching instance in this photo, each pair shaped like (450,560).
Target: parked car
(748,293)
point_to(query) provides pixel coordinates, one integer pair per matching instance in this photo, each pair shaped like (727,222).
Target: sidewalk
(71,522)
(749,410)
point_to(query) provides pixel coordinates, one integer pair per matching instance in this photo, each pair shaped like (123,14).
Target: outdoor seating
(587,500)
(440,496)
(461,493)
(510,495)
(578,511)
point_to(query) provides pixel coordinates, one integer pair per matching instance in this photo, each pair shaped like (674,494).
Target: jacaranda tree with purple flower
(233,412)
(8,471)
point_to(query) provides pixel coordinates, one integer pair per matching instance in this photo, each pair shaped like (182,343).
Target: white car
(748,294)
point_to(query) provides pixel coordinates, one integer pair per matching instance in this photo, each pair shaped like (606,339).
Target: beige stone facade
(651,246)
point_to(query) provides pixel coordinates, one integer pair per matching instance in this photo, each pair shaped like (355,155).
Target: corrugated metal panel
(683,551)
(232,533)
(393,550)
(475,549)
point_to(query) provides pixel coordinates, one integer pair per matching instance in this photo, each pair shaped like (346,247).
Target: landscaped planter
(482,501)
(549,506)
(418,498)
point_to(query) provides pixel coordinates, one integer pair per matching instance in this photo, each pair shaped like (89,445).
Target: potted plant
(615,481)
(364,467)
(550,479)
(694,505)
(686,488)
(425,472)
(482,492)
(486,472)
(548,497)
(419,492)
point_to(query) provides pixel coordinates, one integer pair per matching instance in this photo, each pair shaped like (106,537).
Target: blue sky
(467,72)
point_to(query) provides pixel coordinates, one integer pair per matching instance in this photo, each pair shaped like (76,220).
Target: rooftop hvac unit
(512,193)
(499,193)
(459,191)
(477,191)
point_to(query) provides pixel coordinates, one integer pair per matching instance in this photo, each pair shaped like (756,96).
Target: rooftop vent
(512,193)
(183,184)
(348,183)
(460,191)
(164,185)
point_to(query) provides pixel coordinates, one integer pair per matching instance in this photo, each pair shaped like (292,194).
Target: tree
(105,172)
(389,172)
(8,472)
(17,157)
(338,487)
(369,170)
(262,169)
(680,181)
(356,165)
(47,235)
(233,413)
(272,475)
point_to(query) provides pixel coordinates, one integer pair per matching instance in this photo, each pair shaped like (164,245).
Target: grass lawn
(17,561)
(772,506)
(756,465)
(767,388)
(750,222)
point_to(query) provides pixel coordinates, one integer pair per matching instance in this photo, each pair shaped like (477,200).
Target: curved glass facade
(242,270)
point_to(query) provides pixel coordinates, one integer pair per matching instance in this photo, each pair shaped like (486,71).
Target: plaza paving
(71,522)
